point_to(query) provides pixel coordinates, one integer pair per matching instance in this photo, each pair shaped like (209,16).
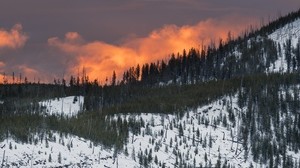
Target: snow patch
(66,106)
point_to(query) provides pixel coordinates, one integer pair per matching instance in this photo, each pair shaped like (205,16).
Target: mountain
(273,48)
(287,35)
(231,105)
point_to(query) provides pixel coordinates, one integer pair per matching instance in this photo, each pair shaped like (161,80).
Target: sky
(49,39)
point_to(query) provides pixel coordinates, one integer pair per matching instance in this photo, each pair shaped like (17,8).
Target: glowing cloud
(100,59)
(14,38)
(11,39)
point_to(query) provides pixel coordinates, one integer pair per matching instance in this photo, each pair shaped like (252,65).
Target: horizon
(49,40)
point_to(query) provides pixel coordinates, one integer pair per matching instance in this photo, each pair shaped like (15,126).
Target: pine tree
(180,130)
(297,54)
(10,146)
(210,140)
(288,55)
(59,157)
(113,79)
(47,143)
(140,156)
(205,157)
(50,158)
(133,154)
(150,156)
(126,151)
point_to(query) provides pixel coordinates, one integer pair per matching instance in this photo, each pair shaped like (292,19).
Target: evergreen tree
(59,158)
(114,79)
(50,158)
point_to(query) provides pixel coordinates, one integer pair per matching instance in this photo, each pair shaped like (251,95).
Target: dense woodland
(269,117)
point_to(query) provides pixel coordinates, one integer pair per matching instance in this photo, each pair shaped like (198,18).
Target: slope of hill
(238,107)
(281,36)
(55,149)
(199,137)
(242,129)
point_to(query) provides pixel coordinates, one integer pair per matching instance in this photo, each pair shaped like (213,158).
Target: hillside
(162,140)
(287,34)
(231,105)
(229,131)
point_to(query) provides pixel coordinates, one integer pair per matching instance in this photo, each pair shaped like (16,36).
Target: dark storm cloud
(111,22)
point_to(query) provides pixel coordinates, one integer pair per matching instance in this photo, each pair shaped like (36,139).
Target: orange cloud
(14,38)
(100,59)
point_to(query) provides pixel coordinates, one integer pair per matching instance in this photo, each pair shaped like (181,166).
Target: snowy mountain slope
(214,134)
(67,106)
(207,136)
(257,126)
(55,149)
(200,137)
(290,31)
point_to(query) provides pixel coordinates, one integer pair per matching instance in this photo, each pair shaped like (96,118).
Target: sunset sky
(47,39)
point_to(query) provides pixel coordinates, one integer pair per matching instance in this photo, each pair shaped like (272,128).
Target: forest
(267,118)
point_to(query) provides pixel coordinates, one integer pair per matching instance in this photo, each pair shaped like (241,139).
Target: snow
(66,106)
(74,152)
(189,144)
(204,133)
(289,31)
(280,36)
(156,136)
(79,152)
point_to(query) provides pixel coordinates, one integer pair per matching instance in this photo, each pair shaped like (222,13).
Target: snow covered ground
(201,141)
(280,36)
(67,106)
(55,149)
(200,136)
(289,31)
(203,136)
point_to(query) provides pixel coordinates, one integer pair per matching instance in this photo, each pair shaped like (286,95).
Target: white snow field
(55,150)
(66,106)
(204,136)
(201,142)
(169,139)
